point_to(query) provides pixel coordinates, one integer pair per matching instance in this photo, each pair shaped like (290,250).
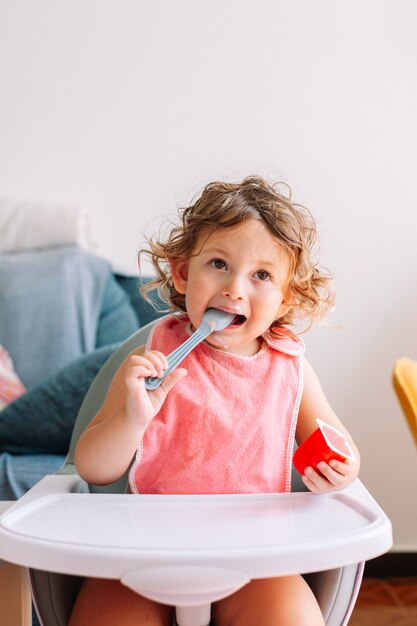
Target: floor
(386,602)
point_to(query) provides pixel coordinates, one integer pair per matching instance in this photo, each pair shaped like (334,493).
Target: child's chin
(216,340)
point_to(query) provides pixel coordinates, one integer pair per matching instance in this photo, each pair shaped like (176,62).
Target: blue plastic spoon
(212,321)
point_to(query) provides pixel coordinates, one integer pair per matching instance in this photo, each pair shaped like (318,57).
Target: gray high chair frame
(54,594)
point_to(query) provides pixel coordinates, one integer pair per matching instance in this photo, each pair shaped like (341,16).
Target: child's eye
(219,264)
(263,275)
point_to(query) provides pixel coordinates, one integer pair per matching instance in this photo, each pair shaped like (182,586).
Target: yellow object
(404,378)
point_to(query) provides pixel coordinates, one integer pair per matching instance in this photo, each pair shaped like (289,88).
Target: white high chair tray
(53,529)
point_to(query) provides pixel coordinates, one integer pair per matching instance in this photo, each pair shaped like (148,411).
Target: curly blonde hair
(225,204)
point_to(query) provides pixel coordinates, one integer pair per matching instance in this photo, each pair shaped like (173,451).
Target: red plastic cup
(324,444)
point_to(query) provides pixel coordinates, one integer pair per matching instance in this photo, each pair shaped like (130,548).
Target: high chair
(186,551)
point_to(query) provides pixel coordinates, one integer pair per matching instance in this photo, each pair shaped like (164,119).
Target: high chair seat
(186,551)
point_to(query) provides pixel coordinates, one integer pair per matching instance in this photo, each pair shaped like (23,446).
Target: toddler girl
(225,421)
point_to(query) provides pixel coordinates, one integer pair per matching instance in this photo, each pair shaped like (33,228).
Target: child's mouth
(238,320)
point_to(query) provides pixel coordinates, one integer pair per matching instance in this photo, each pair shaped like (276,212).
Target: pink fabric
(228,426)
(10,384)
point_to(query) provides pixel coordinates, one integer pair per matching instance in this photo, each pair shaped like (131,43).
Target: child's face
(241,270)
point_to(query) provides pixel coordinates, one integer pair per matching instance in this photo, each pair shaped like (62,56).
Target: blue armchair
(63,312)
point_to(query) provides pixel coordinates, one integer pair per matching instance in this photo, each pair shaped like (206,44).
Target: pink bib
(229,425)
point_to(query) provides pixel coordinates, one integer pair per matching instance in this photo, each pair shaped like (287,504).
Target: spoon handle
(175,357)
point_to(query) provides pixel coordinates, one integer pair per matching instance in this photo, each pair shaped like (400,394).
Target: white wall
(127,108)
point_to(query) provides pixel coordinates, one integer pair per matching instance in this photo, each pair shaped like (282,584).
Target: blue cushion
(144,310)
(118,318)
(42,420)
(50,305)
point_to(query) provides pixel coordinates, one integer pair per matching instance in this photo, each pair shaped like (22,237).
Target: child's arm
(107,446)
(314,404)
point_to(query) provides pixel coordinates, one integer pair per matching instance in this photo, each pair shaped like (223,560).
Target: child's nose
(234,289)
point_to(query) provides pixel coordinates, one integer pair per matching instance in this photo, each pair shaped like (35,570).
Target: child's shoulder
(171,322)
(285,341)
(171,328)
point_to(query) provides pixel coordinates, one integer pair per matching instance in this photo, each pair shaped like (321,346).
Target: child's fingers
(314,481)
(150,363)
(172,379)
(158,360)
(139,371)
(341,467)
(326,479)
(332,473)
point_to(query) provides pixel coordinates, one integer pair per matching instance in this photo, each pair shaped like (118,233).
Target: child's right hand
(142,405)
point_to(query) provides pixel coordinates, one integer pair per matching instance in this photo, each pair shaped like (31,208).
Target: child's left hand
(331,476)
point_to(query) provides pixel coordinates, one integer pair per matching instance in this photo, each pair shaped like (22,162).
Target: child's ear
(179,273)
(287,303)
(283,309)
